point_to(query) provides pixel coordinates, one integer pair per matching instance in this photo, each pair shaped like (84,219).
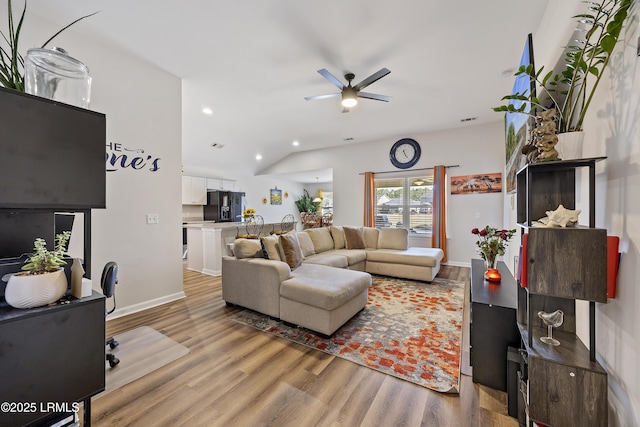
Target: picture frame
(477,183)
(275,196)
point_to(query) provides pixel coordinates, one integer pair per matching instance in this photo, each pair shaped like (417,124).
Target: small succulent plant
(44,261)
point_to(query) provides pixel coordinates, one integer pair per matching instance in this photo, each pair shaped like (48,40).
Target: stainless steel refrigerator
(224,206)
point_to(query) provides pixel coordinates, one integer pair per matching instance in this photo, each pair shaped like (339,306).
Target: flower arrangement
(492,242)
(248,213)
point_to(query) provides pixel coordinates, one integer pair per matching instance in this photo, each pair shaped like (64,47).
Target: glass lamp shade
(349,97)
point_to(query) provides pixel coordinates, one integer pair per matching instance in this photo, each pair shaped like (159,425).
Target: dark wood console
(52,355)
(494,326)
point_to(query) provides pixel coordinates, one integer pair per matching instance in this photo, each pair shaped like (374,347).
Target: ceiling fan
(350,94)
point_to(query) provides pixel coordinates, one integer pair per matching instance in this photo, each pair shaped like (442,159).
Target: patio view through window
(405,203)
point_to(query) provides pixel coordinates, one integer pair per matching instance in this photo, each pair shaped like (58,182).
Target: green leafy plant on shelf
(43,261)
(570,92)
(306,204)
(11,61)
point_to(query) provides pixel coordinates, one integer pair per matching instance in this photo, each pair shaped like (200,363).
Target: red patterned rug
(409,329)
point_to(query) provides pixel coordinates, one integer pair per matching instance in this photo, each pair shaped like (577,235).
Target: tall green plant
(571,91)
(11,61)
(306,204)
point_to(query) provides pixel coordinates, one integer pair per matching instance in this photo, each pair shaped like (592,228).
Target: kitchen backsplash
(192,213)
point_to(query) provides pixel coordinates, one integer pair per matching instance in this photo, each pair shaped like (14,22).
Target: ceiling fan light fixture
(349,97)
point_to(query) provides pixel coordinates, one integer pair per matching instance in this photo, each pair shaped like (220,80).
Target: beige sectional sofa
(318,278)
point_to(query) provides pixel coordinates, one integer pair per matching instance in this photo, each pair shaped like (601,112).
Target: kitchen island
(207,243)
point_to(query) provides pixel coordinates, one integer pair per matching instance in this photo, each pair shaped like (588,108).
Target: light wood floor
(238,376)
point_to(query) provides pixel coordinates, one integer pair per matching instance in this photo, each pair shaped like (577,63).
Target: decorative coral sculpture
(561,217)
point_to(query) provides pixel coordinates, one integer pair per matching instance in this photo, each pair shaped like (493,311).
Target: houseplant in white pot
(571,91)
(43,280)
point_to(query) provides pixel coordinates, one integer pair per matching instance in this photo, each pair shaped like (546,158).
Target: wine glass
(552,320)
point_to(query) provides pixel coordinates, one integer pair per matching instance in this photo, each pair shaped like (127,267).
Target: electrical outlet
(152,218)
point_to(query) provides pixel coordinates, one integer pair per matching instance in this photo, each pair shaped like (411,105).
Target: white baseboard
(457,264)
(216,273)
(124,311)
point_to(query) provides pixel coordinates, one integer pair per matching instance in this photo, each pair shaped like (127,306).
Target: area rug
(411,330)
(141,351)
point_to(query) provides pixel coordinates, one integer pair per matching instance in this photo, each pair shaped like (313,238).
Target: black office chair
(108,284)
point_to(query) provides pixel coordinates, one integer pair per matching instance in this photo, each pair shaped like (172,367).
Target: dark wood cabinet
(562,385)
(51,355)
(493,327)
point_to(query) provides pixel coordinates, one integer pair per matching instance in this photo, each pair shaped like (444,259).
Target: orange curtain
(439,231)
(369,200)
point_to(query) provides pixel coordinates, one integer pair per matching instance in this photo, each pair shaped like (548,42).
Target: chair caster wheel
(113,344)
(113,360)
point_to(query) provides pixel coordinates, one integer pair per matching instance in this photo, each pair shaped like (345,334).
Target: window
(327,202)
(405,202)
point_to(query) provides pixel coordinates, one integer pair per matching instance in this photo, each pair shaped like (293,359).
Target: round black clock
(405,153)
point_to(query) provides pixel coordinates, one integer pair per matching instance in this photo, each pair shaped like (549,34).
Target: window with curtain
(405,202)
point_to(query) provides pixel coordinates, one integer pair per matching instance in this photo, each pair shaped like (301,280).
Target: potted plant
(306,204)
(11,61)
(571,91)
(42,280)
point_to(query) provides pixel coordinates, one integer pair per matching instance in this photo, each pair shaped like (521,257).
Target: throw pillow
(270,247)
(370,237)
(306,245)
(321,238)
(247,248)
(337,233)
(393,238)
(353,238)
(290,250)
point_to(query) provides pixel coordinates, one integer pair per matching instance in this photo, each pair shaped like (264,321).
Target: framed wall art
(478,183)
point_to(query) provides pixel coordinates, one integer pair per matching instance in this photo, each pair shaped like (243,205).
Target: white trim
(457,264)
(146,305)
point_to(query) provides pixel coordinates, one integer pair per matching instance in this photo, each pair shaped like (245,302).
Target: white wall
(476,149)
(143,109)
(612,130)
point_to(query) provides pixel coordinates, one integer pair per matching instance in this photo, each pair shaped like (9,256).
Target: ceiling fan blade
(372,78)
(374,96)
(333,79)
(312,98)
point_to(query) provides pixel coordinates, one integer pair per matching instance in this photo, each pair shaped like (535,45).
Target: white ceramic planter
(35,290)
(570,145)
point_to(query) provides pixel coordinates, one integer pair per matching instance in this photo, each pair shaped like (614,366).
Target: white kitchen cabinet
(194,190)
(221,184)
(214,184)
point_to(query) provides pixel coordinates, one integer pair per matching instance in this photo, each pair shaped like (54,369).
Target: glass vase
(492,274)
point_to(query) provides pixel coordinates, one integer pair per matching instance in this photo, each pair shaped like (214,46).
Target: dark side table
(493,327)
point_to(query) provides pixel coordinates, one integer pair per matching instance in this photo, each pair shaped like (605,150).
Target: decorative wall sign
(480,183)
(120,157)
(276,196)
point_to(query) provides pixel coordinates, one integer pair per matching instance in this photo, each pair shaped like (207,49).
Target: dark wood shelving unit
(561,385)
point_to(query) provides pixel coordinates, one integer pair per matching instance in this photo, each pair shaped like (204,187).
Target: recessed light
(207,110)
(295,143)
(258,157)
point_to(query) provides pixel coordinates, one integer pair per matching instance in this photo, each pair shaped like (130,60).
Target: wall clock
(405,153)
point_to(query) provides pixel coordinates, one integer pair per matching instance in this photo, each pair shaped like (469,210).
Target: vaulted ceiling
(252,62)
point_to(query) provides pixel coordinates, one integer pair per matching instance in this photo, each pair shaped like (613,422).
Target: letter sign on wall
(120,157)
